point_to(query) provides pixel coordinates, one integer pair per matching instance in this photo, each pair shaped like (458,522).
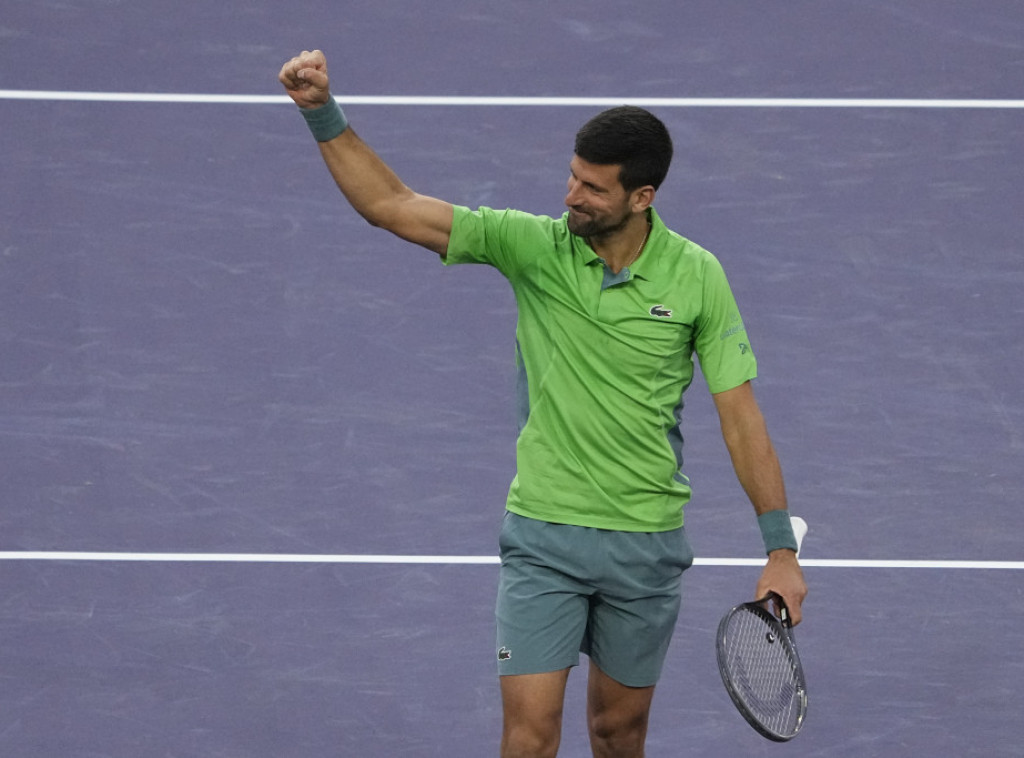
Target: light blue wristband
(777,531)
(326,121)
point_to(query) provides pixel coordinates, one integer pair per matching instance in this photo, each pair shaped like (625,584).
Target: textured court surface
(202,350)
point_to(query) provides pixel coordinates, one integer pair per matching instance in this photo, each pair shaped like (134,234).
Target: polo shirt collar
(645,267)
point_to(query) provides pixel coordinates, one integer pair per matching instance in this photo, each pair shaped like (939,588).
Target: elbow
(375,221)
(387,213)
(377,215)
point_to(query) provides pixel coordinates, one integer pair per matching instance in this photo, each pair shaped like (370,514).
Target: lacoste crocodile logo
(504,654)
(660,311)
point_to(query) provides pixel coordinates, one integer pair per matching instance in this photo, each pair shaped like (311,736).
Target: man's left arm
(758,470)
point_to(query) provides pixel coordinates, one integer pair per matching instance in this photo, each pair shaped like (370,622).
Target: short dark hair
(632,138)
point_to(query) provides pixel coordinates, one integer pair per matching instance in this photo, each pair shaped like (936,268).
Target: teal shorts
(613,596)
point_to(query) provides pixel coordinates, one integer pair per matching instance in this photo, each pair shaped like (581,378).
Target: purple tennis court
(254,453)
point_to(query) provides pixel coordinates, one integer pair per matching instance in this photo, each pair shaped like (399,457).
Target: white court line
(857,563)
(651,102)
(461,560)
(243,558)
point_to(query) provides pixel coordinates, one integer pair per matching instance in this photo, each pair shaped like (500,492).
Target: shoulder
(508,218)
(504,238)
(682,259)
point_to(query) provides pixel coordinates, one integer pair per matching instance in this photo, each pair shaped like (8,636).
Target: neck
(621,248)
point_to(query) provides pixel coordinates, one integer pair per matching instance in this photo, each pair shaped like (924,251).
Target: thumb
(313,77)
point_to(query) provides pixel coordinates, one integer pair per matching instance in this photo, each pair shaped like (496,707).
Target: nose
(572,192)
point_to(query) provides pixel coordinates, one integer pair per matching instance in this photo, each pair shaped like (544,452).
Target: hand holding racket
(759,664)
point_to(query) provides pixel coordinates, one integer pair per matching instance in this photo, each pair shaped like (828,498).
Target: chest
(620,324)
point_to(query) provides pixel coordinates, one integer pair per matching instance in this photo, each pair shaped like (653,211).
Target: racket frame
(781,628)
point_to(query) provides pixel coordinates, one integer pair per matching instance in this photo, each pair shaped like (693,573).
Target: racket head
(761,670)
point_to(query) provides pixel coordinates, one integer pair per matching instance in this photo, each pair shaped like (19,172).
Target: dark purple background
(203,349)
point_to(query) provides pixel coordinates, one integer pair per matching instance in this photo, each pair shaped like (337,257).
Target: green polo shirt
(603,361)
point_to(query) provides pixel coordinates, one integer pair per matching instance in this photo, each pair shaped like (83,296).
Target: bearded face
(598,205)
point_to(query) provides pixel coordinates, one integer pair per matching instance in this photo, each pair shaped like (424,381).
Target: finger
(312,77)
(794,600)
(795,612)
(289,72)
(317,59)
(311,61)
(775,600)
(298,70)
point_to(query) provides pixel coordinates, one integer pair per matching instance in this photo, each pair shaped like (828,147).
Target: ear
(642,198)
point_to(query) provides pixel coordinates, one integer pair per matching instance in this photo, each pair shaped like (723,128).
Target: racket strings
(764,672)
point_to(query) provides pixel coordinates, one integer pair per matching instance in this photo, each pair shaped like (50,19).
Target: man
(611,307)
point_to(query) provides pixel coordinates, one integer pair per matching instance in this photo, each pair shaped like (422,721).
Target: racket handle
(799,530)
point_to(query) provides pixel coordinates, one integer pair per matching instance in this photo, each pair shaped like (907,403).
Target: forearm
(758,470)
(369,185)
(755,461)
(379,196)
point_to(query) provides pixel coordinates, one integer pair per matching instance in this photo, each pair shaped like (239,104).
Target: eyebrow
(591,185)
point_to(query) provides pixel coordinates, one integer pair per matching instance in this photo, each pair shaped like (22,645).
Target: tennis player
(612,306)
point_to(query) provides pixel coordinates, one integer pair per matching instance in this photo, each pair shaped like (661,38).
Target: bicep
(423,220)
(380,196)
(739,413)
(735,401)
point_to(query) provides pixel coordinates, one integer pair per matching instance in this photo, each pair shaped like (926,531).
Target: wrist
(777,531)
(326,121)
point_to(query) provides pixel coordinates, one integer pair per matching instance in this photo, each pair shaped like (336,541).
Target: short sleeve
(484,236)
(721,343)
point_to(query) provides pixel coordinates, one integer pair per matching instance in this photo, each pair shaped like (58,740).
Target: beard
(585,225)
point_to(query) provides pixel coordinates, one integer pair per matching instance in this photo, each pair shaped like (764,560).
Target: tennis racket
(759,664)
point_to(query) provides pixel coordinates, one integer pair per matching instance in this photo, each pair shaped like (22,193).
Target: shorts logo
(660,311)
(504,654)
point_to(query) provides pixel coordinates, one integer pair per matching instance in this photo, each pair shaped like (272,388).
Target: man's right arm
(369,185)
